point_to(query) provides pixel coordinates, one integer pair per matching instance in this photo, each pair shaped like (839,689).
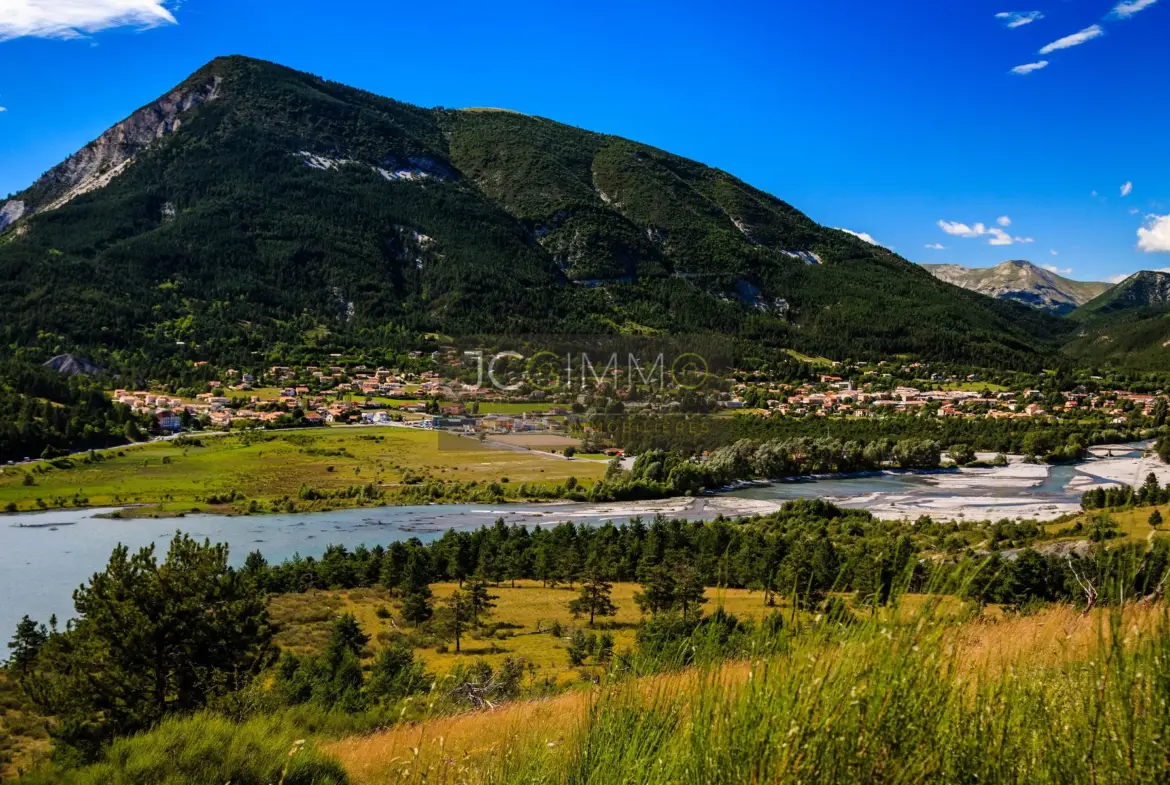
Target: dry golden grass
(527,612)
(462,743)
(464,747)
(1134,524)
(1058,635)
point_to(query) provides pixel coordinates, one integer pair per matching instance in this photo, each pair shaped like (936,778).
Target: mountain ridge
(1023,282)
(255,206)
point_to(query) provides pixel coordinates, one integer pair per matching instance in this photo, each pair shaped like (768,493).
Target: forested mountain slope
(256,207)
(1128,325)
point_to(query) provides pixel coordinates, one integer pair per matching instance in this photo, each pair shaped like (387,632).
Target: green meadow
(201,470)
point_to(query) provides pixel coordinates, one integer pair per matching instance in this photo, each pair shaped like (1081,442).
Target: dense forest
(43,414)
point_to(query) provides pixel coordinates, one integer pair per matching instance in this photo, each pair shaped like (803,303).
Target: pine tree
(596,592)
(480,600)
(658,591)
(1155,519)
(415,588)
(689,591)
(167,638)
(26,645)
(457,614)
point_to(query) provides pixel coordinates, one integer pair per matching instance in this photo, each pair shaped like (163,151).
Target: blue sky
(901,119)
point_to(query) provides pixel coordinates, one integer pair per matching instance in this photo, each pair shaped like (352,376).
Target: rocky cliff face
(100,161)
(11,212)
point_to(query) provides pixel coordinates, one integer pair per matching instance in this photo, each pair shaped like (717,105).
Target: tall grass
(206,749)
(890,705)
(922,701)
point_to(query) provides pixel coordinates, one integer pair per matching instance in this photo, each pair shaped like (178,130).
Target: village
(317,396)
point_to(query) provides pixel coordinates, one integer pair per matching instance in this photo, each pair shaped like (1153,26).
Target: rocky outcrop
(70,365)
(10,213)
(99,162)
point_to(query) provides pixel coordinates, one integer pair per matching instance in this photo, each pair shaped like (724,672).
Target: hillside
(1022,282)
(1128,325)
(258,209)
(1148,289)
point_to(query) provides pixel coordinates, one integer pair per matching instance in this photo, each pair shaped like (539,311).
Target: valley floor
(270,467)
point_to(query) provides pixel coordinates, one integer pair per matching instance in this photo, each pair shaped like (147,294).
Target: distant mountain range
(1022,282)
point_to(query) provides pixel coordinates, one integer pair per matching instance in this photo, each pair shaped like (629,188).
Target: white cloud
(3,108)
(1054,252)
(1093,194)
(1052,268)
(1076,39)
(76,18)
(997,236)
(1014,19)
(863,236)
(1027,68)
(936,246)
(1154,237)
(962,230)
(1127,189)
(1119,278)
(1134,211)
(1125,10)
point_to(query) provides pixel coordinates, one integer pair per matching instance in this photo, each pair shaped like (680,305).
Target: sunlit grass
(279,464)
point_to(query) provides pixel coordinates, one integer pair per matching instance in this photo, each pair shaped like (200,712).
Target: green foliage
(26,645)
(595,598)
(150,640)
(345,257)
(205,748)
(44,414)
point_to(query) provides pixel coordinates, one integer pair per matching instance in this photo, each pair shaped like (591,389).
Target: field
(524,615)
(1132,524)
(267,466)
(536,441)
(921,703)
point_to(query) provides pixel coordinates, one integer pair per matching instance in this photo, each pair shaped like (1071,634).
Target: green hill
(258,209)
(1148,289)
(1129,325)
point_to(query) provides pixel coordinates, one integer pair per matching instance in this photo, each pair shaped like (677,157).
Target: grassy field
(1132,523)
(977,701)
(524,614)
(266,466)
(520,624)
(962,386)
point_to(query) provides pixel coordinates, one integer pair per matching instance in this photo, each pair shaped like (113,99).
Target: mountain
(1022,282)
(258,210)
(1140,292)
(1129,325)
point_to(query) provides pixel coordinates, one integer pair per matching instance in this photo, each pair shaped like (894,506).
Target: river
(44,556)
